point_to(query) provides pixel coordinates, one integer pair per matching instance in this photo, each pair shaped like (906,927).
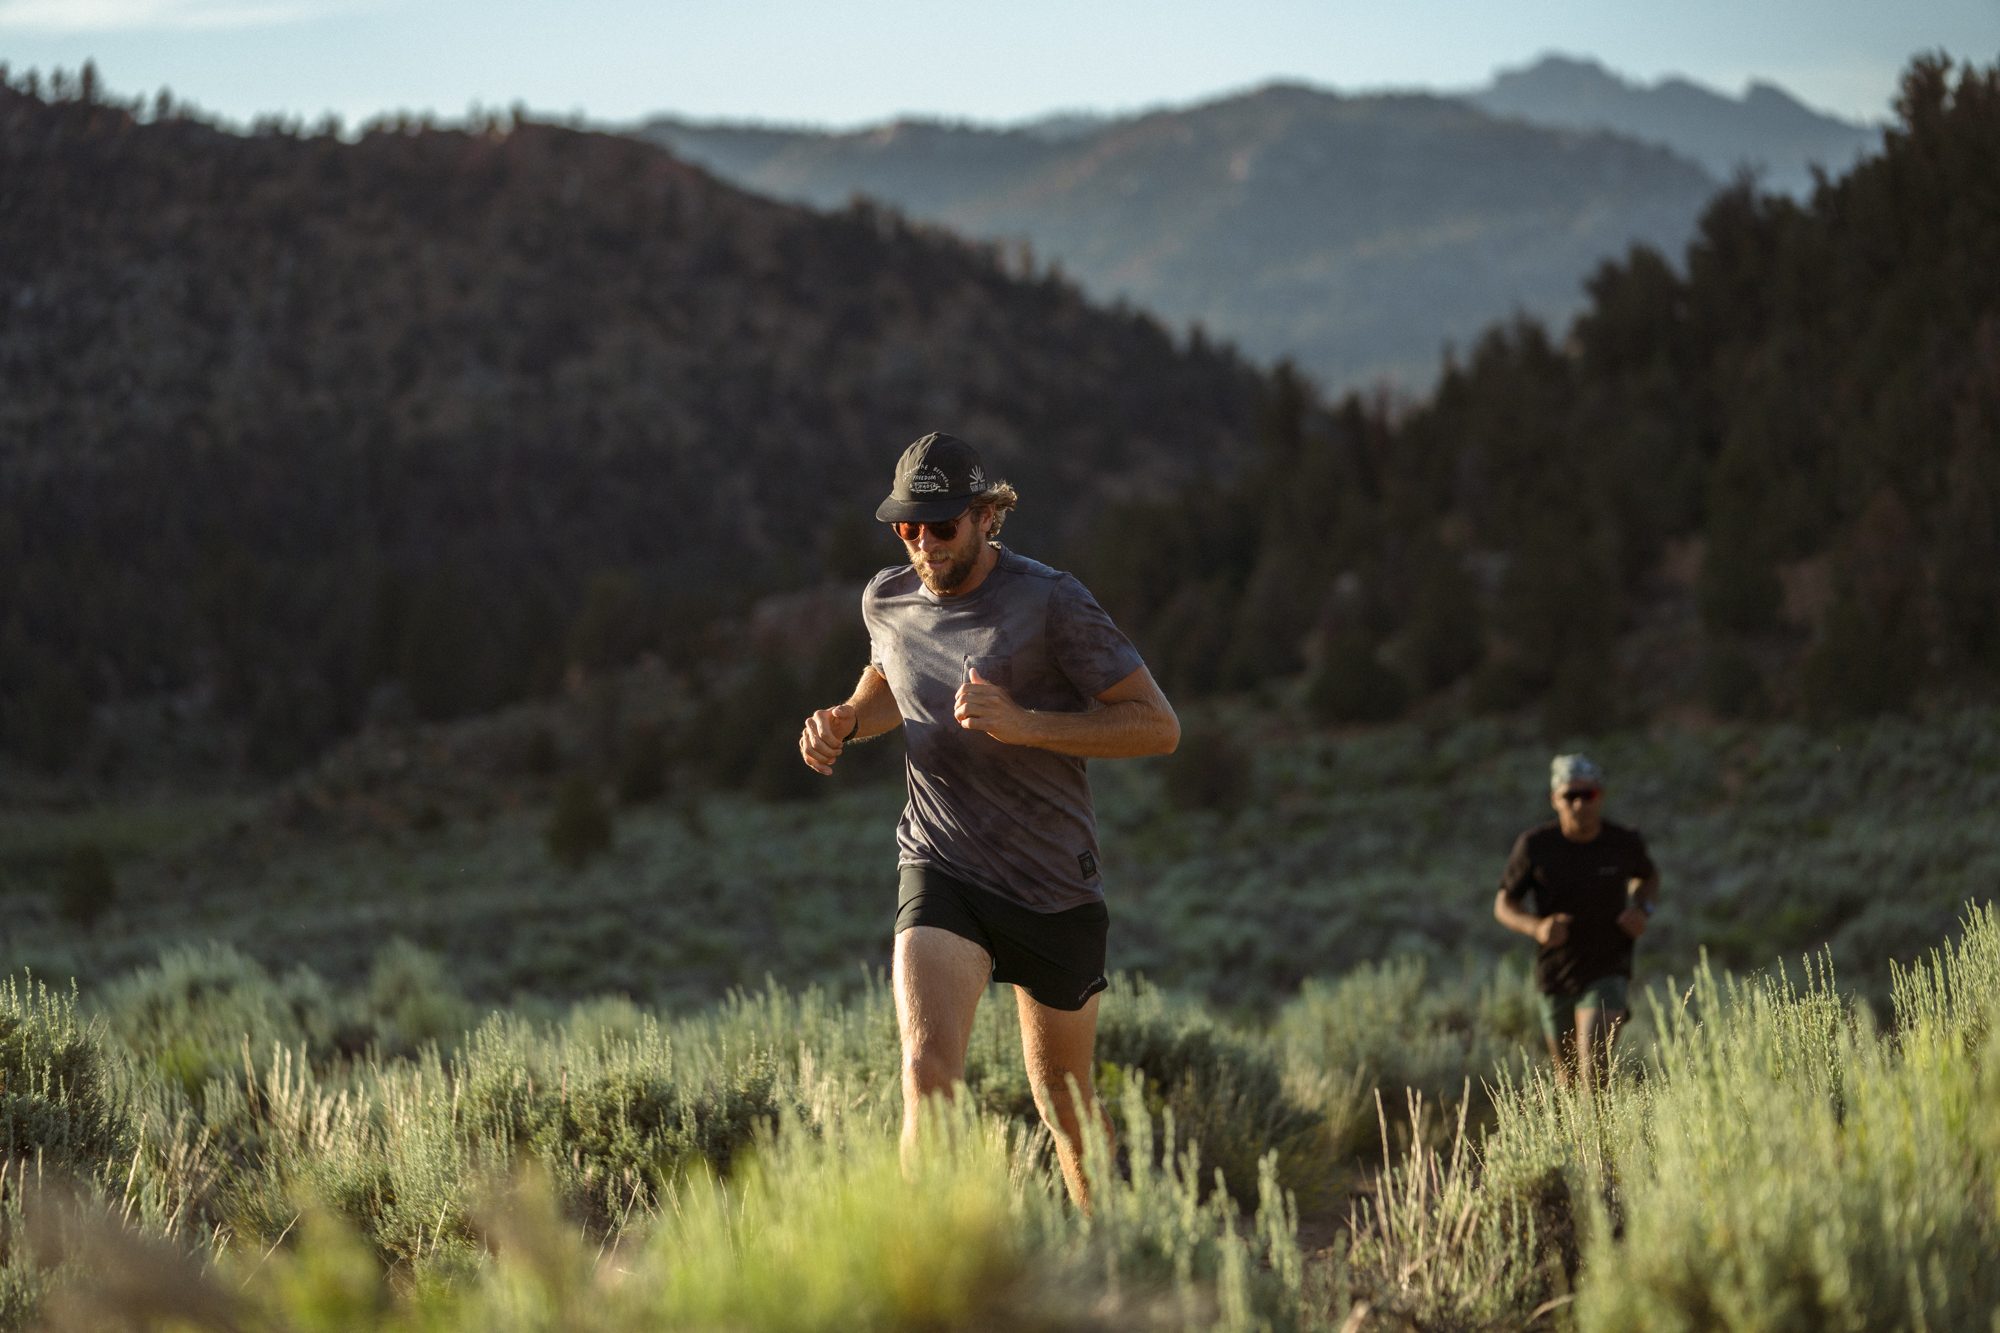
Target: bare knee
(929,1068)
(1052,1083)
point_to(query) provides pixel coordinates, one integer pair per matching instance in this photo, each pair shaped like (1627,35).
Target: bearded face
(945,565)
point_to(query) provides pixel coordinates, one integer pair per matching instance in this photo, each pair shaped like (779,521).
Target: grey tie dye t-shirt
(1011,819)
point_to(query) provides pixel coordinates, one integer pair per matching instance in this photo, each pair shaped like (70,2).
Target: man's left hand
(1632,921)
(984,706)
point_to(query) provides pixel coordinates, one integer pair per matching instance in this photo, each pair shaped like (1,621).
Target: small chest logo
(1088,863)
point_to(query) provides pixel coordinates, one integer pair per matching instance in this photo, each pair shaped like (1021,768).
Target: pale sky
(811,61)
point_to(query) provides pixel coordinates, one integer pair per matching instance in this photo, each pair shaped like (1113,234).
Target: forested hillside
(292,428)
(298,434)
(1767,476)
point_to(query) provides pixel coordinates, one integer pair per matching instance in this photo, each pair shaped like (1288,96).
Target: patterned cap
(936,479)
(1567,768)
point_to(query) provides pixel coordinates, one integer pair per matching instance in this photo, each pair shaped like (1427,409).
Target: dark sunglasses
(944,531)
(1582,795)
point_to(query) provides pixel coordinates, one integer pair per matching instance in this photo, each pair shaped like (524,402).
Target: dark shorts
(1559,1011)
(1057,957)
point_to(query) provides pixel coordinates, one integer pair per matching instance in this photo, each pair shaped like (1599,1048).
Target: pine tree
(580,825)
(87,887)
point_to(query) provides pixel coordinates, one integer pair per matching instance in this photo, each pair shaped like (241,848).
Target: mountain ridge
(1356,235)
(1766,129)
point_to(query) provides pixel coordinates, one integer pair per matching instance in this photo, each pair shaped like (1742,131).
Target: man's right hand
(825,735)
(1554,928)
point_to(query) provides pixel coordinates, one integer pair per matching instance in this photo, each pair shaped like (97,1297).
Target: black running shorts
(1057,957)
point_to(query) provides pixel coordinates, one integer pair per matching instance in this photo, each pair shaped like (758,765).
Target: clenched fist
(1633,921)
(1554,928)
(983,706)
(825,736)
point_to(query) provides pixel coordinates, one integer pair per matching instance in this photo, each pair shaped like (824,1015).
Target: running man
(1594,889)
(1005,675)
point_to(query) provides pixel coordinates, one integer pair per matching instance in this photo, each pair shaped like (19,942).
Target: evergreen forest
(298,432)
(1762,476)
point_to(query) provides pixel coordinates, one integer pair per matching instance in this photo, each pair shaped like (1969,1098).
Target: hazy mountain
(1767,128)
(1356,234)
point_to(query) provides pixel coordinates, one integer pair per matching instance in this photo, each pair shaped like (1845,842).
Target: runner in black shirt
(1594,889)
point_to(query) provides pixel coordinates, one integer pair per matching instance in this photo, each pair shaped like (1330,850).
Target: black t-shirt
(1587,880)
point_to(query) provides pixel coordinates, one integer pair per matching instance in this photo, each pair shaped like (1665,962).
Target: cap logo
(978,478)
(928,481)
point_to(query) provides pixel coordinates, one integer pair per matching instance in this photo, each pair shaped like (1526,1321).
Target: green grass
(328,1063)
(737,1166)
(1351,848)
(1773,1156)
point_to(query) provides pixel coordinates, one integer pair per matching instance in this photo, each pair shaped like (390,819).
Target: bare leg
(1562,1051)
(1060,1045)
(1596,1029)
(939,978)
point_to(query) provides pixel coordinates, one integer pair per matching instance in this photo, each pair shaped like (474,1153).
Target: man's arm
(1641,892)
(870,711)
(1551,929)
(1136,720)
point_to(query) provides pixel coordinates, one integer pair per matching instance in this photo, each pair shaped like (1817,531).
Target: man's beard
(946,579)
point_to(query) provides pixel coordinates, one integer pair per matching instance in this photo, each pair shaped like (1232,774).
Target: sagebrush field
(389,1063)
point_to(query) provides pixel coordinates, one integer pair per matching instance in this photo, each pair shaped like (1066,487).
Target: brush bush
(579,827)
(64,1104)
(88,886)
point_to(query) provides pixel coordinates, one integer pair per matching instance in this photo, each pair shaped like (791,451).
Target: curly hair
(1000,498)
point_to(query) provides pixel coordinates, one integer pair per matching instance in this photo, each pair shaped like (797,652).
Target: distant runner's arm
(870,711)
(1641,892)
(1136,720)
(1552,929)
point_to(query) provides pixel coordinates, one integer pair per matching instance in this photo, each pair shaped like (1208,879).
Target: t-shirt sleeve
(1642,862)
(1084,644)
(871,618)
(1519,876)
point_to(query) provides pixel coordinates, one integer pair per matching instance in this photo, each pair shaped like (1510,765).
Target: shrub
(743,731)
(642,766)
(50,723)
(1581,699)
(88,887)
(1731,683)
(614,625)
(1396,1026)
(539,756)
(1352,685)
(414,1000)
(780,774)
(580,825)
(1224,1089)
(1738,591)
(1207,771)
(1446,632)
(61,1103)
(192,1014)
(1855,672)
(1501,686)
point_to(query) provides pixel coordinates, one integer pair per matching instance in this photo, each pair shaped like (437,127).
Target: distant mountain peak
(1767,128)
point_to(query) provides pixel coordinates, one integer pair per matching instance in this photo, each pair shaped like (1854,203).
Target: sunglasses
(944,531)
(1582,796)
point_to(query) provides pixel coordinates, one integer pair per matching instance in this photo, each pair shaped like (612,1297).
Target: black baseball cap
(937,478)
